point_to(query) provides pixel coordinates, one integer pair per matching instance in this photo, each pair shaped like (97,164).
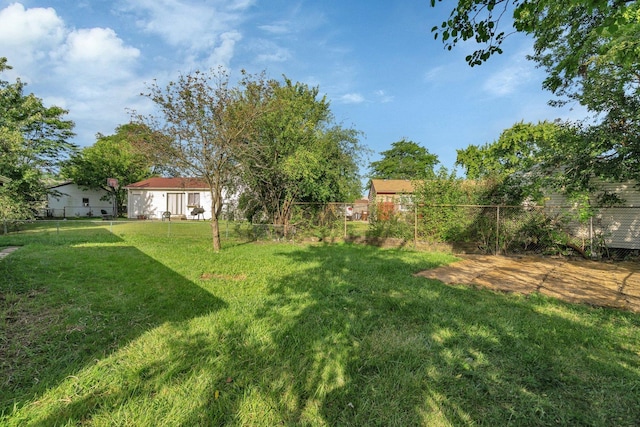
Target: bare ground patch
(602,284)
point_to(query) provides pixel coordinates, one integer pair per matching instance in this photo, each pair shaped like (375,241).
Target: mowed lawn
(143,325)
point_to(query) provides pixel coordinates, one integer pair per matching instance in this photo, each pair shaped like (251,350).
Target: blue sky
(376,61)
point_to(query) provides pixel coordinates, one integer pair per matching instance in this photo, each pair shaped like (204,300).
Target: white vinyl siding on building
(618,226)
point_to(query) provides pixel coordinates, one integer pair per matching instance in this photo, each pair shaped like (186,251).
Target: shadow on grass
(345,335)
(356,340)
(71,302)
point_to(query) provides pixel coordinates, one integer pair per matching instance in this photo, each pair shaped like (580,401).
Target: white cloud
(511,77)
(268,51)
(223,53)
(277,28)
(20,27)
(28,35)
(96,48)
(383,97)
(507,81)
(89,71)
(199,27)
(352,98)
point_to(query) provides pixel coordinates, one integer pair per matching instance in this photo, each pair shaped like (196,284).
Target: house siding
(152,203)
(73,201)
(618,226)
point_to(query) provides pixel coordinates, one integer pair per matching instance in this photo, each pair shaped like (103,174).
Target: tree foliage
(528,159)
(298,153)
(405,160)
(590,50)
(112,156)
(33,142)
(518,149)
(567,27)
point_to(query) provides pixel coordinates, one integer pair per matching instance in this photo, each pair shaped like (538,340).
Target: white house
(153,197)
(68,200)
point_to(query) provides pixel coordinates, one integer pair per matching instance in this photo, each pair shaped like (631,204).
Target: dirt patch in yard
(602,284)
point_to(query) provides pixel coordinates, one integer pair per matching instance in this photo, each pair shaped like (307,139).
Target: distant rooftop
(159,183)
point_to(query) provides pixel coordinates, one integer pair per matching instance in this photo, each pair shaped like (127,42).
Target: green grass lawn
(138,324)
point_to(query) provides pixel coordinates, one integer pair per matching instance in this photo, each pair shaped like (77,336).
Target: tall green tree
(298,153)
(199,123)
(590,50)
(34,140)
(112,156)
(405,160)
(528,159)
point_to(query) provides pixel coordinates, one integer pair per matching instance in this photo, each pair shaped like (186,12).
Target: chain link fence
(506,230)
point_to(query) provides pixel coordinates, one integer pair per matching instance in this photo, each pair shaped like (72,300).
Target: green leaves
(477,20)
(298,154)
(33,142)
(405,160)
(590,50)
(112,156)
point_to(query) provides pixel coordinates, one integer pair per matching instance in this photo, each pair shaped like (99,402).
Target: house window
(193,199)
(85,201)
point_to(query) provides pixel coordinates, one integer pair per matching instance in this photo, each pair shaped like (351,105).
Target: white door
(137,207)
(175,203)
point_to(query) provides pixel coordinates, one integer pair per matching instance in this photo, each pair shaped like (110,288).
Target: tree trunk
(215,214)
(215,232)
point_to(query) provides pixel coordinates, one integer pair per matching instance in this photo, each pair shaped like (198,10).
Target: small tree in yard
(201,121)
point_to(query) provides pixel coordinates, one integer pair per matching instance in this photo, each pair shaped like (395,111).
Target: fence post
(591,234)
(497,230)
(344,211)
(415,225)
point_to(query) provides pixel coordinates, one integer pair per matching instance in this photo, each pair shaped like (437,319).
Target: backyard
(143,324)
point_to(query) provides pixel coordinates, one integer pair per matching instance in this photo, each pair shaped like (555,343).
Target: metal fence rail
(516,229)
(596,232)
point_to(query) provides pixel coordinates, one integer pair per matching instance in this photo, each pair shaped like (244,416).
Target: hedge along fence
(503,229)
(491,229)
